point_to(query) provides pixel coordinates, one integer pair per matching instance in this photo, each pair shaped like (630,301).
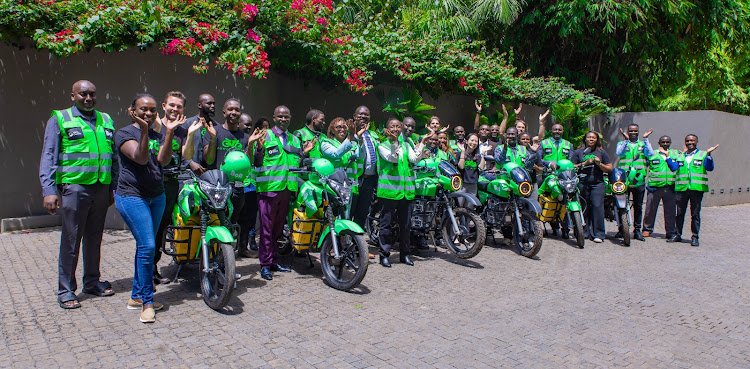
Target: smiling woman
(140,195)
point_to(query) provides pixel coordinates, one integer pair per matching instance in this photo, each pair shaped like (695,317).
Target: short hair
(176,94)
(312,114)
(633,125)
(230,100)
(333,124)
(140,96)
(388,123)
(692,134)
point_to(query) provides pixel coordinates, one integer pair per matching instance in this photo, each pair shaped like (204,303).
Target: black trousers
(171,190)
(638,195)
(695,198)
(84,210)
(361,202)
(394,211)
(653,198)
(247,218)
(593,195)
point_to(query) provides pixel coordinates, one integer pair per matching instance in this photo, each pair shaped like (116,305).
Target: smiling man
(77,162)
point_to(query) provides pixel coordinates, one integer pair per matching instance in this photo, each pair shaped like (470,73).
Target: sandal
(65,305)
(102,288)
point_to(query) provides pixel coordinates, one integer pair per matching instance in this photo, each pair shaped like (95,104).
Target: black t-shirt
(593,174)
(136,179)
(198,138)
(180,136)
(470,173)
(226,142)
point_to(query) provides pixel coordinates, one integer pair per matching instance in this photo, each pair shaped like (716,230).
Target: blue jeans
(142,216)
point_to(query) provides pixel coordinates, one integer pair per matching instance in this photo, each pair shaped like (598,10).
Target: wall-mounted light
(722,190)
(712,191)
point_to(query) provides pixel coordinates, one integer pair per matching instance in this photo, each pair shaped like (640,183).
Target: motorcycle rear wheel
(624,227)
(578,228)
(217,284)
(345,273)
(472,233)
(531,243)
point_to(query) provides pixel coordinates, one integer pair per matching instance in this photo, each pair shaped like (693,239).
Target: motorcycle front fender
(341,225)
(219,233)
(531,205)
(622,200)
(574,205)
(469,197)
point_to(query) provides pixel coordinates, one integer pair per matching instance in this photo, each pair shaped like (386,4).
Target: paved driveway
(651,305)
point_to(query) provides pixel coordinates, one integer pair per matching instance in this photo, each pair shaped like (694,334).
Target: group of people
(86,166)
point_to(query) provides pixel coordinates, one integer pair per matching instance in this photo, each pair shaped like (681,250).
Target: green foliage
(407,103)
(573,118)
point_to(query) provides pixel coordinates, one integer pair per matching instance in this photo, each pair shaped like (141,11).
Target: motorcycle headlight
(456,183)
(618,187)
(217,195)
(569,185)
(343,190)
(525,188)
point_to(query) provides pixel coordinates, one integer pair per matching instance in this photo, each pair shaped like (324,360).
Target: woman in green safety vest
(343,147)
(396,187)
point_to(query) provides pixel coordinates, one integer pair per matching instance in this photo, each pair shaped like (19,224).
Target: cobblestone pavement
(651,305)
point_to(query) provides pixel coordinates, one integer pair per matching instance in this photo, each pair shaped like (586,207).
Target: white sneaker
(598,240)
(137,305)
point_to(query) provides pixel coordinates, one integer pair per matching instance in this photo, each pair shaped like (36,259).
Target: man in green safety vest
(552,150)
(634,156)
(316,121)
(691,182)
(77,162)
(512,152)
(660,188)
(396,188)
(275,155)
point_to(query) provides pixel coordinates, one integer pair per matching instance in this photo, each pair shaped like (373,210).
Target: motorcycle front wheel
(217,283)
(624,227)
(578,228)
(471,236)
(345,273)
(530,244)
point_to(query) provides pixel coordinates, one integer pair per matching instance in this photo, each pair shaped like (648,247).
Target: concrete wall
(730,180)
(34,83)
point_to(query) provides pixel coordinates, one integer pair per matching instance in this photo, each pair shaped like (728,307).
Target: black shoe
(694,241)
(385,262)
(406,260)
(280,268)
(638,236)
(422,245)
(265,273)
(244,252)
(158,279)
(618,234)
(565,234)
(252,245)
(674,238)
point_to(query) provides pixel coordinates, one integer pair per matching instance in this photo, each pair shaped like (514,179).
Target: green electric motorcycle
(506,207)
(319,224)
(436,213)
(201,231)
(558,197)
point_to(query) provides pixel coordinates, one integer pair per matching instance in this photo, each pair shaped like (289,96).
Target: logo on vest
(109,133)
(75,133)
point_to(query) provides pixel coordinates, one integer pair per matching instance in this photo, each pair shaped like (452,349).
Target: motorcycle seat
(482,185)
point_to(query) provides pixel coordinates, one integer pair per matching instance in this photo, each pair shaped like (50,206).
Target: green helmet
(323,167)
(565,164)
(236,166)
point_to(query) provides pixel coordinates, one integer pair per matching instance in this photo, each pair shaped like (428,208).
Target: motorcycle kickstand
(177,275)
(434,242)
(309,259)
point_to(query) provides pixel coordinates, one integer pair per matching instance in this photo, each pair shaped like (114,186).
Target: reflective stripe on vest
(274,174)
(391,183)
(85,155)
(692,175)
(659,174)
(306,134)
(634,157)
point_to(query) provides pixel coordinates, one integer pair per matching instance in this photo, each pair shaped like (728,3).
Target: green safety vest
(692,175)
(519,159)
(274,175)
(396,183)
(555,154)
(635,158)
(250,179)
(85,155)
(659,174)
(306,134)
(346,162)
